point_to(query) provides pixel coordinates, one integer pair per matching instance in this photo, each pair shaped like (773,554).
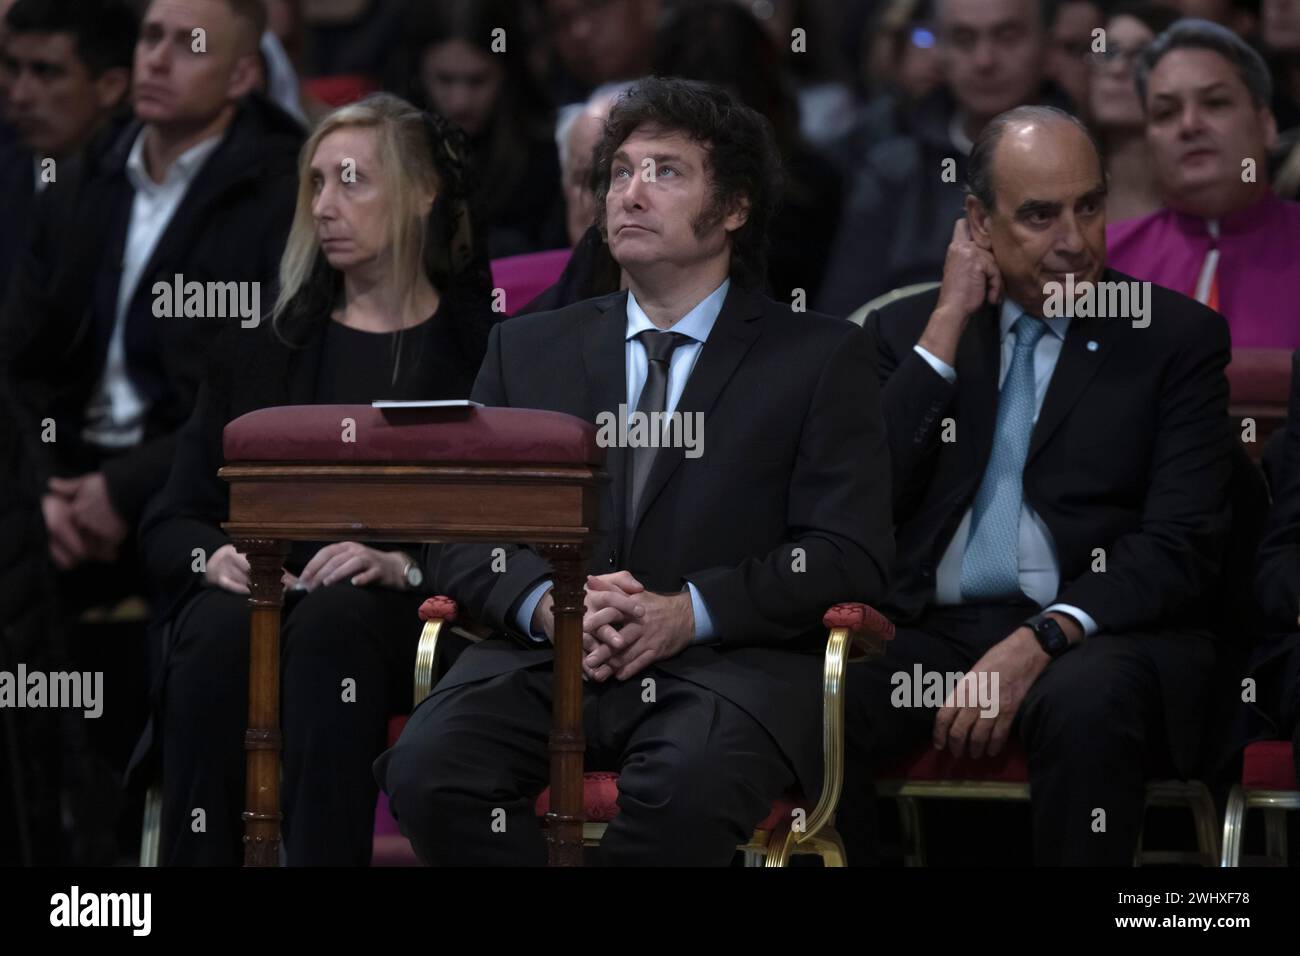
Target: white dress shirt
(115,415)
(1040,575)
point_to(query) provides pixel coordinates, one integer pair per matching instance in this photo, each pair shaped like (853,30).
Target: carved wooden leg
(564,822)
(262,739)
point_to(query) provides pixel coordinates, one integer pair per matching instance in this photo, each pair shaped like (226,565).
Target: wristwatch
(412,573)
(1051,638)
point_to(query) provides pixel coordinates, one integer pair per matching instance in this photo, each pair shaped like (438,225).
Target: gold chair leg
(1275,836)
(150,835)
(780,846)
(827,845)
(1234,824)
(1201,803)
(909,815)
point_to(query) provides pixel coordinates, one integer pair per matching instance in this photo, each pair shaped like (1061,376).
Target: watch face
(414,576)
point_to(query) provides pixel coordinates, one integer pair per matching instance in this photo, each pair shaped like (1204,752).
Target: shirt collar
(697,323)
(1012,311)
(182,170)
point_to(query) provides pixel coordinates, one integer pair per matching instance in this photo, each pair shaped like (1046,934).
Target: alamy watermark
(75,690)
(922,688)
(651,430)
(208,300)
(1101,300)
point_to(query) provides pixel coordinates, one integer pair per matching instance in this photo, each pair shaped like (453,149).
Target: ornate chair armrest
(853,627)
(436,613)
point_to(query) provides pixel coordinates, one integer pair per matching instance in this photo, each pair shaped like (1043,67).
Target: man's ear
(737,217)
(977,218)
(247,75)
(111,87)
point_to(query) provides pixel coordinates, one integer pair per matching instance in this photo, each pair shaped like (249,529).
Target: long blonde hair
(406,164)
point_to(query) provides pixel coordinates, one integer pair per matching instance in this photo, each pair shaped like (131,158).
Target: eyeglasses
(1128,55)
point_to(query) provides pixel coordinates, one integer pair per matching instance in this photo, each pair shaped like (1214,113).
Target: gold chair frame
(1275,804)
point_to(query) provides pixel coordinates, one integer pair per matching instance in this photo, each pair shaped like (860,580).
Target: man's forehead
(984,13)
(1191,69)
(651,140)
(1052,161)
(195,12)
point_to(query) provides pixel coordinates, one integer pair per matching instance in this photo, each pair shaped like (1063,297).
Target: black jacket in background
(899,210)
(230,227)
(1277,575)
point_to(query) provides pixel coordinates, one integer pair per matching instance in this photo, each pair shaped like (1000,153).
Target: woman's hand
(228,569)
(352,561)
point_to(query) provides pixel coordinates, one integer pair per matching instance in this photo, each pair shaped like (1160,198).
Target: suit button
(613,557)
(927,570)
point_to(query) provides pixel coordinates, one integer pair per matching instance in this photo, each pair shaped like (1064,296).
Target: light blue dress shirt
(1040,575)
(696,324)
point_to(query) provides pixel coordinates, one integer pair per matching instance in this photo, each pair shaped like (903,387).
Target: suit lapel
(1084,349)
(603,333)
(729,341)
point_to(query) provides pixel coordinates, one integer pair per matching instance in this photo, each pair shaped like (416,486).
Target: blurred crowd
(128,156)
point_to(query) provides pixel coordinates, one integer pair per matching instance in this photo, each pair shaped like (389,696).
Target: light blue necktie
(990,568)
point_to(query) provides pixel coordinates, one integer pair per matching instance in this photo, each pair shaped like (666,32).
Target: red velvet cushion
(1268,765)
(599,797)
(526,277)
(341,89)
(859,617)
(438,608)
(600,801)
(315,433)
(928,764)
(396,725)
(1260,376)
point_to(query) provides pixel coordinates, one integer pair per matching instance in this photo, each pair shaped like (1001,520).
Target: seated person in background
(905,192)
(590,271)
(199,185)
(1115,112)
(699,582)
(1224,238)
(1060,494)
(384,295)
(459,71)
(1276,662)
(70,64)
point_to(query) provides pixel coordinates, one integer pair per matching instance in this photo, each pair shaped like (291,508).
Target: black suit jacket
(794,457)
(231,226)
(1131,453)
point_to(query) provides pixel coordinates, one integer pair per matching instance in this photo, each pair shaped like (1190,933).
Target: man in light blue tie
(1061,466)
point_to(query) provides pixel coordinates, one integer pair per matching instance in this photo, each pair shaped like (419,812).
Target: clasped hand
(625,628)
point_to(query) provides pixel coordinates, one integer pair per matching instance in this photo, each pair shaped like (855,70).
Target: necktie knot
(659,346)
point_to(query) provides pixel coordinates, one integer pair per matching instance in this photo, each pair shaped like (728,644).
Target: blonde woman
(385,293)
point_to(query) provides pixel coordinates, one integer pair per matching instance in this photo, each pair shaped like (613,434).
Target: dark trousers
(697,773)
(1092,726)
(1288,706)
(334,638)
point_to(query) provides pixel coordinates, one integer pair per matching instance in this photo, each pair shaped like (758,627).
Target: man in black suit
(200,184)
(1060,480)
(716,562)
(1275,664)
(69,64)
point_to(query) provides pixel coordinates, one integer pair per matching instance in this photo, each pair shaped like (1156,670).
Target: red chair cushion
(526,277)
(1260,376)
(600,801)
(928,764)
(341,89)
(313,433)
(438,608)
(1268,765)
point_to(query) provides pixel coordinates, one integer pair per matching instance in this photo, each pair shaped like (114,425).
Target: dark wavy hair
(739,151)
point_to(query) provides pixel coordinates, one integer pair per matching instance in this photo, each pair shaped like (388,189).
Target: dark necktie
(659,348)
